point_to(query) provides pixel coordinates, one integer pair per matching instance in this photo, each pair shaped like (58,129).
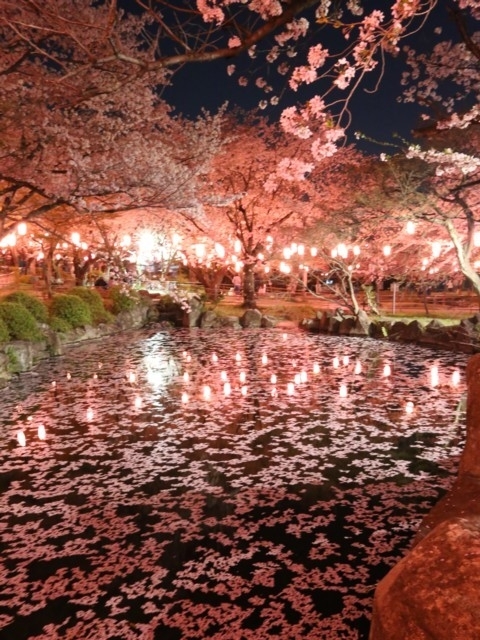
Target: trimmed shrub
(36,307)
(122,299)
(72,309)
(95,302)
(4,332)
(59,324)
(90,296)
(20,323)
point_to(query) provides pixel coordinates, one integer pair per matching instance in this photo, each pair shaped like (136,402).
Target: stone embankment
(463,337)
(197,316)
(21,356)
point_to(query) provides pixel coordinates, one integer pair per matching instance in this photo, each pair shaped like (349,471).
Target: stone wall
(20,356)
(463,337)
(434,591)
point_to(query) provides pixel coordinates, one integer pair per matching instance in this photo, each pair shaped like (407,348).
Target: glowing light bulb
(89,414)
(436,249)
(303,376)
(214,357)
(410,228)
(41,431)
(69,375)
(274,392)
(336,363)
(22,228)
(21,439)
(273,379)
(409,407)
(343,391)
(185,397)
(223,376)
(207,392)
(244,390)
(132,377)
(242,376)
(455,377)
(227,389)
(138,402)
(346,360)
(186,377)
(316,368)
(290,389)
(434,376)
(264,359)
(387,370)
(297,379)
(358,367)
(238,357)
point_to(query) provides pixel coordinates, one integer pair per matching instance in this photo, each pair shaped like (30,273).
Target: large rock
(251,319)
(346,325)
(434,592)
(208,319)
(231,322)
(470,460)
(191,318)
(362,325)
(268,322)
(20,356)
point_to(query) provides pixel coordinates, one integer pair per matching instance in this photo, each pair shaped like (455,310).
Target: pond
(248,484)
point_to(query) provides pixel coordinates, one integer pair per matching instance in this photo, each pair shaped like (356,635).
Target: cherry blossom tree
(439,193)
(81,51)
(445,80)
(104,156)
(257,188)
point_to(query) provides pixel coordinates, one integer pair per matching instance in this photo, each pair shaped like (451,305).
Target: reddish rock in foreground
(434,592)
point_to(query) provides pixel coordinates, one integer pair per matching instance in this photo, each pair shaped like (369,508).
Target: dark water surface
(151,502)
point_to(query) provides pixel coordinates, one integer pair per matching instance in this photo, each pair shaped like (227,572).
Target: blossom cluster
(448,162)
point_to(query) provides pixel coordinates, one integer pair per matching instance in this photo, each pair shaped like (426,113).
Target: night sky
(376,114)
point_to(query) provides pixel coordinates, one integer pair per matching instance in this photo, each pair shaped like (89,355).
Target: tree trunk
(48,271)
(249,301)
(353,297)
(463,254)
(211,279)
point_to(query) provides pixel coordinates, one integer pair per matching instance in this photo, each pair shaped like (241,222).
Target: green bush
(90,296)
(20,323)
(123,299)
(95,302)
(36,307)
(4,332)
(72,309)
(60,325)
